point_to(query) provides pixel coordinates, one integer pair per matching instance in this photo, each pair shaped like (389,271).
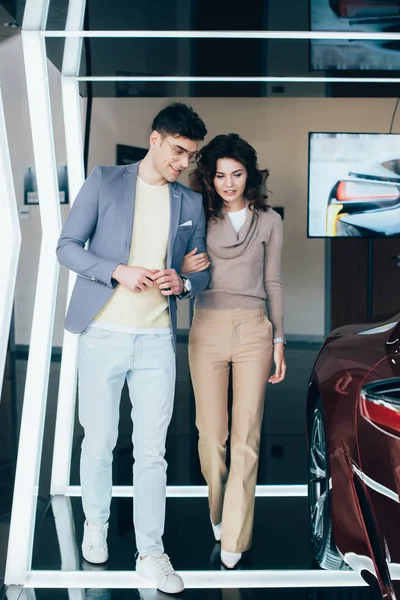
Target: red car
(353,416)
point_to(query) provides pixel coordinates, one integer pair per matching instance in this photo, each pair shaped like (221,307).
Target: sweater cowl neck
(222,238)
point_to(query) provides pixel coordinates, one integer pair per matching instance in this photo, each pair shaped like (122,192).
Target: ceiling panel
(216,57)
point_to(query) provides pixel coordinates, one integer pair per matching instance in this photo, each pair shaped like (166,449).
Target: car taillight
(380,404)
(348,191)
(367,8)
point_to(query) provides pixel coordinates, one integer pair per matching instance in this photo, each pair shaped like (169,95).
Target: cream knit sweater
(246,266)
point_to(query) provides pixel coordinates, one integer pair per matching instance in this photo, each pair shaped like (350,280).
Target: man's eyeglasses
(179,152)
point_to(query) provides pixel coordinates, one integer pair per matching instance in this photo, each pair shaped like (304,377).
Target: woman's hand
(194,263)
(280,364)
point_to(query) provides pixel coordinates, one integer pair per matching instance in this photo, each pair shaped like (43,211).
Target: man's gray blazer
(103,213)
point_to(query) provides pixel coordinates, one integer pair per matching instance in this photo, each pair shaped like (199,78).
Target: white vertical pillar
(64,430)
(10,241)
(65,527)
(19,555)
(15,592)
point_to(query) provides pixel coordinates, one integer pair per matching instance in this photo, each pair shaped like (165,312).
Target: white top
(237,218)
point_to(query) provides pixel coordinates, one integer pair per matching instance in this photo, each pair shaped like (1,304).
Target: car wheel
(347,230)
(325,551)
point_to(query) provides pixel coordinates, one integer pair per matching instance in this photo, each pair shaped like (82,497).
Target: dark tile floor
(281,529)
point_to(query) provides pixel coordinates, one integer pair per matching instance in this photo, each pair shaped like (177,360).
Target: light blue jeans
(147,362)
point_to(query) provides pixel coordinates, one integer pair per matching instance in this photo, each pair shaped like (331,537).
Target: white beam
(15,592)
(66,536)
(73,46)
(64,428)
(245,35)
(201,491)
(35,15)
(10,241)
(19,555)
(193,78)
(198,579)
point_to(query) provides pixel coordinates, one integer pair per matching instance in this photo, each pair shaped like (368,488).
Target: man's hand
(135,279)
(280,364)
(169,282)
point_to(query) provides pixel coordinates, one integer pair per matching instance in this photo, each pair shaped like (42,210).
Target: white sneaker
(159,569)
(94,545)
(216,530)
(230,559)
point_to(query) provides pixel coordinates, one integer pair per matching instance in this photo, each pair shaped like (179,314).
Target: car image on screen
(353,432)
(353,184)
(367,202)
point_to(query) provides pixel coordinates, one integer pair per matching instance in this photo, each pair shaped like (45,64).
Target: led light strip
(64,429)
(10,241)
(36,385)
(245,35)
(197,579)
(200,491)
(65,528)
(190,78)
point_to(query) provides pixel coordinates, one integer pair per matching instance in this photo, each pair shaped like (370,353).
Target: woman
(231,331)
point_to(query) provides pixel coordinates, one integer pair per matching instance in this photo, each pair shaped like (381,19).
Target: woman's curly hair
(202,178)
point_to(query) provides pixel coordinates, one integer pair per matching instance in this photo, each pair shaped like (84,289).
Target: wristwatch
(279,340)
(186,287)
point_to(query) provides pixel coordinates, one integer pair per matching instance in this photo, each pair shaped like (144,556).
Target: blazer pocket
(185,229)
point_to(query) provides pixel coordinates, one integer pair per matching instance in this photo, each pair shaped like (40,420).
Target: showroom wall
(277,127)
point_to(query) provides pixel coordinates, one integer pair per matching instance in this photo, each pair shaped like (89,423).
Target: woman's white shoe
(230,559)
(216,530)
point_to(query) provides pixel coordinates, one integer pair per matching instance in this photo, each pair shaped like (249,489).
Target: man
(140,223)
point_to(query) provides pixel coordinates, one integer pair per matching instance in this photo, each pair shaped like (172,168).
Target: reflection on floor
(281,530)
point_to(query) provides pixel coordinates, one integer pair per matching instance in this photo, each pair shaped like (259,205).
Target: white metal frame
(35,397)
(10,241)
(18,570)
(198,579)
(246,35)
(288,79)
(200,491)
(73,138)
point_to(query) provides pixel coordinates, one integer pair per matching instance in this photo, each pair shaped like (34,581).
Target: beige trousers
(221,340)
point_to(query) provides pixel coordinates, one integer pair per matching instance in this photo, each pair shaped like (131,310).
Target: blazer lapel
(130,176)
(175,201)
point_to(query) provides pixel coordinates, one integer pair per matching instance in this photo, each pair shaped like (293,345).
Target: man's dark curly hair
(202,178)
(180,119)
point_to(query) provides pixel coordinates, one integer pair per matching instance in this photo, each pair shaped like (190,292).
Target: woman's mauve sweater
(246,266)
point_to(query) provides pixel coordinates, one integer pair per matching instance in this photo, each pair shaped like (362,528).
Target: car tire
(319,497)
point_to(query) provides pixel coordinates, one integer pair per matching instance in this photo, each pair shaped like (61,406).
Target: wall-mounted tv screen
(368,16)
(354,185)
